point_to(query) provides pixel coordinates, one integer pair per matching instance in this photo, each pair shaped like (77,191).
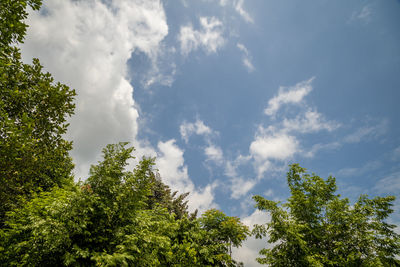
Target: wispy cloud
(368,167)
(281,140)
(389,184)
(364,14)
(288,95)
(186,129)
(368,132)
(209,37)
(245,15)
(308,122)
(246,58)
(214,153)
(241,187)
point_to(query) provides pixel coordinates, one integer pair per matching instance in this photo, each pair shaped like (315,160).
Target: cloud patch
(209,37)
(189,128)
(288,95)
(245,15)
(246,58)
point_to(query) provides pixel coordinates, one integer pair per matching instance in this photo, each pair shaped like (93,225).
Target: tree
(12,26)
(33,113)
(108,221)
(315,227)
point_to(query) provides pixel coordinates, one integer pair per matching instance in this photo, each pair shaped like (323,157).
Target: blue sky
(227,93)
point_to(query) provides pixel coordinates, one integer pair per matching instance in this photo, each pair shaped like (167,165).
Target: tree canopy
(108,220)
(316,227)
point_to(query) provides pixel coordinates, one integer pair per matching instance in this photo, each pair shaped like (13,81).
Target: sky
(227,93)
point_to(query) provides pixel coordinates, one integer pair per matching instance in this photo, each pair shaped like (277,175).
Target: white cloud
(239,8)
(373,131)
(209,37)
(86,44)
(214,153)
(308,122)
(170,163)
(241,187)
(230,169)
(188,128)
(251,247)
(278,147)
(288,95)
(246,59)
(173,171)
(280,141)
(273,146)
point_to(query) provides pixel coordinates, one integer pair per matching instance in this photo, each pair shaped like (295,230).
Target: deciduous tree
(33,113)
(108,221)
(316,227)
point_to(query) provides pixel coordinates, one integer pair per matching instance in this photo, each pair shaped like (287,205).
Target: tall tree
(33,113)
(315,227)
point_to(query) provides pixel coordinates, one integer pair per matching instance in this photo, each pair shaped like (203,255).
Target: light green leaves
(317,228)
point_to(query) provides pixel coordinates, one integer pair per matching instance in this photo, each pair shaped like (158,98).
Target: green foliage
(315,227)
(12,16)
(108,221)
(33,113)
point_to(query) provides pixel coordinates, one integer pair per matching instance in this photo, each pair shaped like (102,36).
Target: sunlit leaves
(315,227)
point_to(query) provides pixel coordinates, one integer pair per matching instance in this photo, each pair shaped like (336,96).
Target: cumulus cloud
(208,37)
(173,171)
(268,147)
(288,95)
(86,44)
(273,147)
(246,59)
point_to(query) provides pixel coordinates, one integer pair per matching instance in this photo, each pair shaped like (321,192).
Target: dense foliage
(110,220)
(33,113)
(318,228)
